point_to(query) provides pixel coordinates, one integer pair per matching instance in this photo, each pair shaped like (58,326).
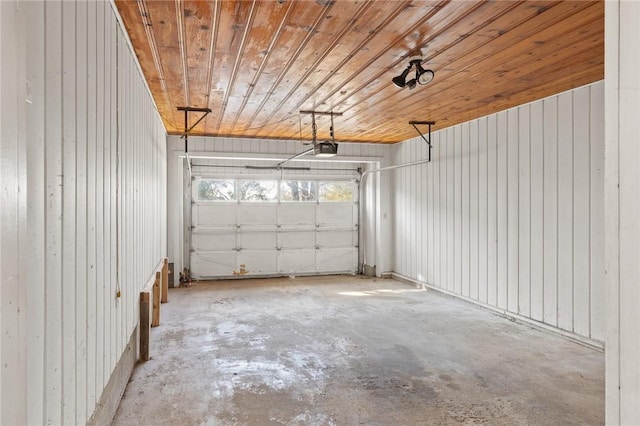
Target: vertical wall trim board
(506,200)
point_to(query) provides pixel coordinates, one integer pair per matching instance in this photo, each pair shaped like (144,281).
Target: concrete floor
(354,350)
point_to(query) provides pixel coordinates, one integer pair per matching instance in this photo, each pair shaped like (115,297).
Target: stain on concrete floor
(354,350)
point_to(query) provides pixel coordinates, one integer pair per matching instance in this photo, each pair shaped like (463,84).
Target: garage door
(262,227)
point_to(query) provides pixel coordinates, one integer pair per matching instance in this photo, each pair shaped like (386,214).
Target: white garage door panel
(258,262)
(336,260)
(219,214)
(296,261)
(297,214)
(209,264)
(231,239)
(336,238)
(304,239)
(257,240)
(213,241)
(336,214)
(256,214)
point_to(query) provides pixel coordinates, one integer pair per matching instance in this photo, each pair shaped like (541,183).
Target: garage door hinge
(279,248)
(193,227)
(238,249)
(317,247)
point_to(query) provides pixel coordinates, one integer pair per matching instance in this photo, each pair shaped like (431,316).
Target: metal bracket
(428,123)
(187,129)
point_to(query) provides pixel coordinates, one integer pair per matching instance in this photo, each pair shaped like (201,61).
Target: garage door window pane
(297,190)
(335,191)
(258,190)
(216,190)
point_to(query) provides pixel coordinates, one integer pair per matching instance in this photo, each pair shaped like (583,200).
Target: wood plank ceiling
(256,64)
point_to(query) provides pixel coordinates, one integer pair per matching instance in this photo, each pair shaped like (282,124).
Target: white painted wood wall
(622,195)
(510,212)
(76,217)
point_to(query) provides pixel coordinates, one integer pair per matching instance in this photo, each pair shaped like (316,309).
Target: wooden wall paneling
(12,214)
(404,262)
(421,219)
(80,244)
(121,307)
(92,282)
(513,192)
(100,199)
(550,219)
(399,199)
(406,214)
(431,212)
(502,152)
(36,274)
(69,220)
(393,211)
(524,211)
(415,208)
(421,223)
(596,208)
(125,177)
(536,207)
(425,235)
(457,208)
(411,174)
(483,210)
(115,348)
(581,212)
(565,211)
(53,211)
(474,210)
(399,215)
(492,206)
(506,199)
(466,211)
(450,213)
(438,253)
(7,170)
(403,212)
(622,212)
(445,218)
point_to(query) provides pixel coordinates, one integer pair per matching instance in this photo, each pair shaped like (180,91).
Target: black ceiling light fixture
(423,76)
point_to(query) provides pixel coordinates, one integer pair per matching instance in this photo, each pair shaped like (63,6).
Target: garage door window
(336,191)
(216,190)
(297,190)
(258,190)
